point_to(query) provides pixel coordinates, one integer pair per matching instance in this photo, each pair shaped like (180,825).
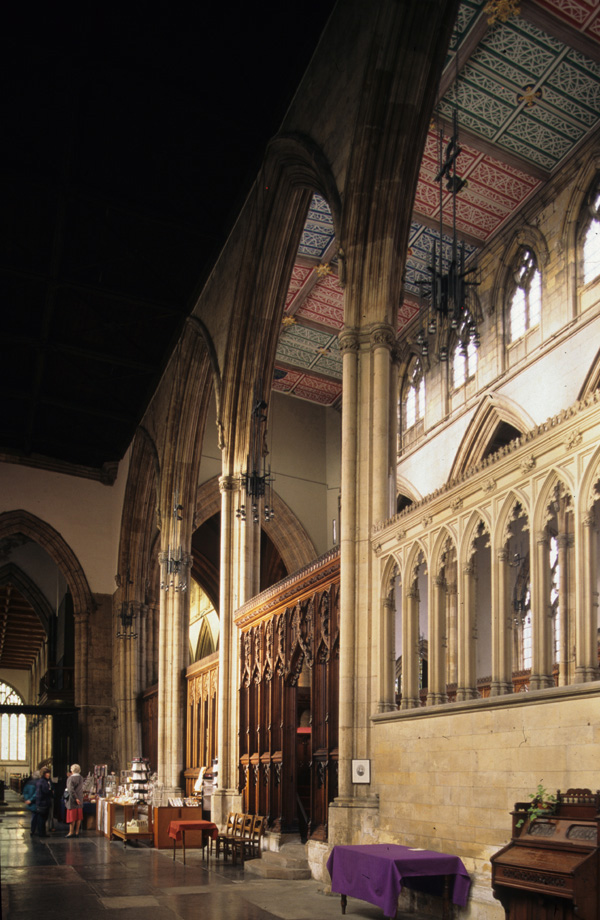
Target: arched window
(13,727)
(414,403)
(525,303)
(591,236)
(464,363)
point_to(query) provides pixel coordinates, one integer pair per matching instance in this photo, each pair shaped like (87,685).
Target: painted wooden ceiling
(527,95)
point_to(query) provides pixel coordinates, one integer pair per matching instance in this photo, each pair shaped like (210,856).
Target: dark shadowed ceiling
(131,142)
(130,138)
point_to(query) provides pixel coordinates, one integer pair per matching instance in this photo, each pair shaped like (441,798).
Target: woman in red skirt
(75,801)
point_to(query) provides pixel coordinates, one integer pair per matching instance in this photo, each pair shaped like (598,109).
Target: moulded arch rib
(503,518)
(40,532)
(493,412)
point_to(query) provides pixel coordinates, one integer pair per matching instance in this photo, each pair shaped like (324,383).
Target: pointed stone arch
(37,599)
(286,532)
(392,570)
(555,478)
(23,522)
(505,513)
(592,381)
(589,491)
(496,421)
(440,547)
(526,236)
(478,520)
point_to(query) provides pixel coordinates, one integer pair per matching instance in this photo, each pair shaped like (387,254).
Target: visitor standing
(74,800)
(43,800)
(29,799)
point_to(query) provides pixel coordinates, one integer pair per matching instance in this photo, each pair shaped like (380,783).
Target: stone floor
(90,877)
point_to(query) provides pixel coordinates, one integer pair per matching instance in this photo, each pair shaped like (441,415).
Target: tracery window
(414,409)
(525,305)
(591,237)
(13,727)
(464,363)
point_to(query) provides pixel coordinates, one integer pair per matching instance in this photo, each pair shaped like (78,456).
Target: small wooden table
(177,831)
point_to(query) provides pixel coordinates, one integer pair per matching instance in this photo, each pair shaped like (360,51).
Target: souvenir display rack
(140,776)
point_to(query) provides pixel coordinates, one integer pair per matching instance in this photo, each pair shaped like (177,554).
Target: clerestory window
(464,363)
(591,239)
(525,305)
(414,406)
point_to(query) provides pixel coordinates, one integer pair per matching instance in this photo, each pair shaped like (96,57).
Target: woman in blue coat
(29,799)
(43,800)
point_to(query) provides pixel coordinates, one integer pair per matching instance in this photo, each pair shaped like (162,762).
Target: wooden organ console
(549,870)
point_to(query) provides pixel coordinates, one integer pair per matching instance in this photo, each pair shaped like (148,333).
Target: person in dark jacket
(43,800)
(29,799)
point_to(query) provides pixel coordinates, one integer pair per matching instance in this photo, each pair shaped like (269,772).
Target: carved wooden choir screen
(202,713)
(289,689)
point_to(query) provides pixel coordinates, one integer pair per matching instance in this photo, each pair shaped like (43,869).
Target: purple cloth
(377,873)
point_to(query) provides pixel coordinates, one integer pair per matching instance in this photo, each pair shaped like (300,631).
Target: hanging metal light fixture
(449,294)
(257,480)
(174,561)
(127,612)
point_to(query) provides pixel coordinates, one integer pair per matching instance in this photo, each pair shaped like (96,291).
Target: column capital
(382,336)
(564,540)
(229,483)
(348,341)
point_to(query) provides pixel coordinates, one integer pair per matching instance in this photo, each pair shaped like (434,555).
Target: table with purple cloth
(378,872)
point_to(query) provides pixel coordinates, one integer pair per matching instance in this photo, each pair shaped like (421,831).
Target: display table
(377,873)
(177,831)
(162,817)
(132,826)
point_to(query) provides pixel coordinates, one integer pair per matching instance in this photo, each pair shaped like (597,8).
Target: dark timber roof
(131,136)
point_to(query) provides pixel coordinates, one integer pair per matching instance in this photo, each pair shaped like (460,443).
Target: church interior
(300,438)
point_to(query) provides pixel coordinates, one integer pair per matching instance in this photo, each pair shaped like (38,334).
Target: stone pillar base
(224,801)
(353,821)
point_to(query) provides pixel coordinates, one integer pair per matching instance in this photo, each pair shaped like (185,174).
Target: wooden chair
(224,840)
(258,830)
(242,841)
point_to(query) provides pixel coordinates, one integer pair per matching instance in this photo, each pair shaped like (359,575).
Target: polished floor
(90,877)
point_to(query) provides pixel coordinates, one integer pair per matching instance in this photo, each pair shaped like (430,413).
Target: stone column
(349,348)
(171,691)
(437,649)
(542,657)
(586,654)
(467,637)
(80,679)
(388,698)
(410,648)
(502,622)
(382,339)
(227,715)
(452,629)
(564,655)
